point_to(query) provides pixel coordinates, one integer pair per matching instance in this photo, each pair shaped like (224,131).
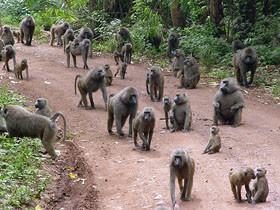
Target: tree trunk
(216,12)
(178,19)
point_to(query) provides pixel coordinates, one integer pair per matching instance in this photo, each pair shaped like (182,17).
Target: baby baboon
(117,56)
(89,83)
(2,126)
(7,35)
(156,81)
(191,74)
(120,106)
(214,143)
(144,124)
(8,53)
(17,35)
(244,61)
(173,44)
(260,186)
(108,75)
(126,52)
(81,49)
(86,33)
(21,67)
(181,113)
(2,45)
(58,30)
(181,166)
(68,36)
(27,28)
(228,103)
(43,107)
(237,179)
(124,34)
(178,64)
(122,68)
(22,123)
(167,104)
(238,45)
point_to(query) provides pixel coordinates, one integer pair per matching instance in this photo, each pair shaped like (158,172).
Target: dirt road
(129,179)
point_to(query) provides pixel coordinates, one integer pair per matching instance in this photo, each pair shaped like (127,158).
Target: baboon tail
(78,76)
(53,118)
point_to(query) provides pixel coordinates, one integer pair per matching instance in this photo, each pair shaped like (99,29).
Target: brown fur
(122,69)
(260,187)
(167,104)
(58,30)
(67,37)
(8,53)
(214,143)
(238,45)
(2,125)
(126,52)
(27,28)
(20,67)
(86,33)
(2,45)
(173,44)
(178,64)
(17,35)
(117,56)
(43,107)
(156,81)
(7,35)
(108,75)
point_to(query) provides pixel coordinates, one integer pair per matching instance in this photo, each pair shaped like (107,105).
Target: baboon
(22,123)
(191,73)
(214,143)
(86,33)
(156,81)
(27,28)
(117,56)
(2,126)
(2,44)
(244,61)
(162,208)
(276,42)
(181,166)
(228,103)
(238,178)
(167,104)
(144,124)
(181,113)
(7,35)
(81,49)
(17,35)
(68,36)
(58,30)
(8,53)
(236,25)
(173,44)
(122,68)
(178,64)
(155,40)
(108,75)
(124,34)
(126,52)
(260,188)
(238,45)
(21,67)
(120,106)
(89,83)
(43,107)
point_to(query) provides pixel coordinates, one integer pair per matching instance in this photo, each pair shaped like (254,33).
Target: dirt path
(128,179)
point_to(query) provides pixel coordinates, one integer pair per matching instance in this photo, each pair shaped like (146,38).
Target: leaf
(38,207)
(72,176)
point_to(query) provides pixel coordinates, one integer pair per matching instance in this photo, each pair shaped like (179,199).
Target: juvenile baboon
(2,44)
(167,104)
(181,113)
(156,81)
(244,61)
(43,107)
(191,73)
(58,30)
(67,37)
(117,56)
(122,68)
(86,33)
(228,103)
(126,53)
(8,53)
(144,124)
(108,75)
(173,44)
(27,28)
(237,179)
(238,45)
(178,64)
(214,143)
(124,34)
(181,166)
(2,126)
(89,83)
(81,49)
(22,123)
(21,67)
(120,106)
(7,35)
(260,186)
(17,35)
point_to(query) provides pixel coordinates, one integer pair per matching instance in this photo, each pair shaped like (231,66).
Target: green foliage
(10,97)
(221,73)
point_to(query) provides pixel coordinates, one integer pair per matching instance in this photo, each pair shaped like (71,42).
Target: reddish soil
(118,177)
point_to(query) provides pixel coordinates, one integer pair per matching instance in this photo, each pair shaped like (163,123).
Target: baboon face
(124,65)
(248,55)
(260,172)
(177,53)
(180,98)
(106,67)
(178,158)
(41,103)
(166,101)
(154,71)
(28,21)
(172,37)
(228,85)
(86,43)
(132,99)
(7,49)
(123,31)
(6,29)
(23,62)
(66,26)
(148,113)
(189,61)
(99,75)
(214,129)
(249,173)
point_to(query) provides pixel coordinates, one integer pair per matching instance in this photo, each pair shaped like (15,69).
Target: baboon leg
(31,36)
(119,123)
(166,120)
(130,126)
(251,77)
(135,133)
(80,103)
(239,193)
(237,118)
(160,93)
(183,195)
(180,182)
(248,193)
(155,91)
(84,55)
(150,137)
(48,144)
(59,41)
(90,50)
(21,36)
(187,123)
(91,100)
(52,36)
(189,185)
(84,98)
(68,59)
(74,60)
(233,189)
(244,77)
(152,91)
(239,77)
(110,122)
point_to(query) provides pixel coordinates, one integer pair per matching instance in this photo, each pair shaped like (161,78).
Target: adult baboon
(122,69)
(81,49)
(117,56)
(238,45)
(167,104)
(124,34)
(214,143)
(86,33)
(181,113)
(126,52)
(42,107)
(8,53)
(108,75)
(155,40)
(260,188)
(228,103)
(21,67)
(237,179)
(120,106)
(178,64)
(58,30)
(2,45)
(173,44)
(7,35)
(156,81)
(2,126)
(181,166)
(17,35)
(67,37)
(27,28)
(22,123)
(144,124)
(89,83)
(244,61)
(191,73)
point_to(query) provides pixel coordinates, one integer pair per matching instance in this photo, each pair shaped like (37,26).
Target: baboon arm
(257,196)
(248,193)
(141,134)
(104,93)
(216,105)
(187,122)
(130,126)
(237,106)
(207,147)
(151,90)
(172,187)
